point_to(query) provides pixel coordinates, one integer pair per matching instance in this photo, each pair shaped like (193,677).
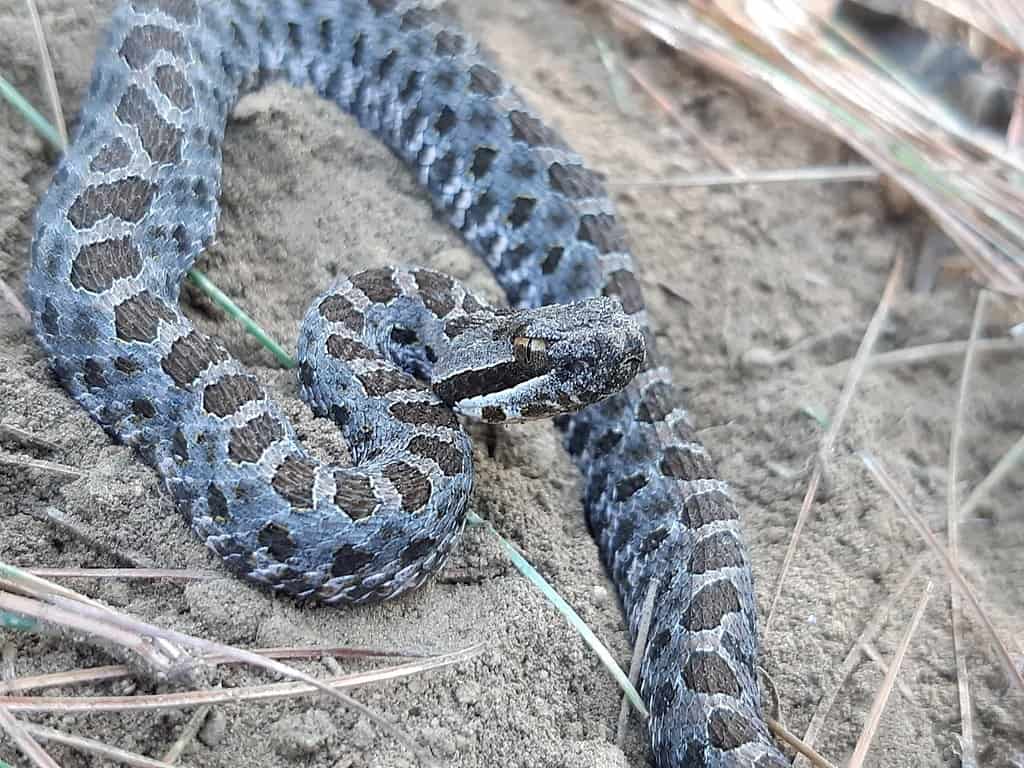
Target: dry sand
(727,272)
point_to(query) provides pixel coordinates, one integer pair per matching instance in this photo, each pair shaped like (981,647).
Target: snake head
(538,363)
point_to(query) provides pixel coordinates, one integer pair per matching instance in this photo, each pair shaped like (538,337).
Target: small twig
(803,748)
(188,733)
(42,465)
(49,80)
(171,574)
(639,649)
(872,653)
(110,672)
(812,174)
(1009,461)
(24,437)
(925,353)
(1015,675)
(875,715)
(24,740)
(665,104)
(853,377)
(8,295)
(91,746)
(615,83)
(255,693)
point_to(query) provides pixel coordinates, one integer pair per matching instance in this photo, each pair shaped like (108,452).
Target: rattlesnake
(133,203)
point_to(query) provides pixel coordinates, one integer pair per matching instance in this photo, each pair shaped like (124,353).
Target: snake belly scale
(133,203)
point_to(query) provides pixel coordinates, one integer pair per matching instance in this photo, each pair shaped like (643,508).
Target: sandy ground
(730,274)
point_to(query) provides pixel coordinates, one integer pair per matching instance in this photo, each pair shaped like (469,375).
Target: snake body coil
(130,208)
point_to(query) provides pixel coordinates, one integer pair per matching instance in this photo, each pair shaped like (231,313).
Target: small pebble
(468,692)
(214,728)
(299,736)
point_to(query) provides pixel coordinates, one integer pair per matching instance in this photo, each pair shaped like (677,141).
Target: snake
(394,355)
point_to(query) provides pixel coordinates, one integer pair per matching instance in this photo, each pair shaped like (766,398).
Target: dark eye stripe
(477,382)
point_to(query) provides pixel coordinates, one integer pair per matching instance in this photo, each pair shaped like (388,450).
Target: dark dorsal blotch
(701,508)
(190,355)
(603,231)
(412,485)
(294,480)
(448,43)
(114,155)
(98,265)
(349,560)
(174,86)
(484,80)
(719,550)
(230,393)
(656,402)
(522,208)
(127,199)
(249,441)
(385,380)
(710,604)
(337,309)
(92,374)
(378,284)
(623,285)
(575,181)
(278,541)
(529,129)
(448,457)
(137,318)
(143,408)
(707,672)
(728,729)
(436,290)
(424,414)
(686,462)
(355,494)
(483,158)
(345,348)
(142,44)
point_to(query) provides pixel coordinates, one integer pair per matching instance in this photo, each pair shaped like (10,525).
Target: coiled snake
(133,203)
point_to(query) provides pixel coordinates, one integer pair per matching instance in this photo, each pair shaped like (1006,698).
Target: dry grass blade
(853,657)
(255,693)
(802,748)
(953,518)
(171,574)
(875,715)
(8,295)
(41,465)
(162,648)
(24,437)
(188,733)
(853,376)
(809,175)
(93,747)
(925,353)
(1010,459)
(24,740)
(1015,675)
(828,75)
(639,648)
(94,675)
(49,80)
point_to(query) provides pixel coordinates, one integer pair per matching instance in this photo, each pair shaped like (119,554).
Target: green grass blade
(40,123)
(524,567)
(223,301)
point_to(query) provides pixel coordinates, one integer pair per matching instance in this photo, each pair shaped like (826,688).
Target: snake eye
(529,351)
